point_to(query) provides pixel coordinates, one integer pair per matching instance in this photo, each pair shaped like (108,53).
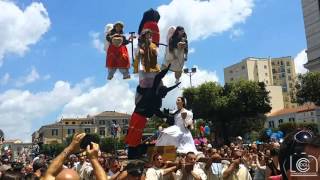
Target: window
(284,88)
(54,132)
(288,63)
(283,75)
(231,79)
(87,130)
(274,77)
(231,71)
(288,70)
(280,121)
(73,122)
(71,131)
(265,66)
(274,71)
(66,122)
(266,74)
(311,113)
(102,122)
(102,131)
(289,78)
(272,63)
(290,85)
(271,124)
(267,82)
(291,120)
(283,69)
(281,63)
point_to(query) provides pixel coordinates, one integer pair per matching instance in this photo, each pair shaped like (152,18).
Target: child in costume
(147,54)
(150,21)
(117,53)
(177,50)
(149,105)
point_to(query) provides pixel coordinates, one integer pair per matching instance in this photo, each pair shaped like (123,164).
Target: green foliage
(110,144)
(235,109)
(291,127)
(52,149)
(308,88)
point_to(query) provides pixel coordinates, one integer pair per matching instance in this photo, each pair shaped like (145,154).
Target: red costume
(153,26)
(117,57)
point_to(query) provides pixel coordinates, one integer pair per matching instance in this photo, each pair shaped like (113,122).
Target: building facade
(103,124)
(271,71)
(311,17)
(307,113)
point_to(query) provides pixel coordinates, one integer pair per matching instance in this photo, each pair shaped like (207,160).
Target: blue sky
(59,70)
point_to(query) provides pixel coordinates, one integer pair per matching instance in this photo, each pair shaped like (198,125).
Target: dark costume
(150,21)
(149,105)
(117,53)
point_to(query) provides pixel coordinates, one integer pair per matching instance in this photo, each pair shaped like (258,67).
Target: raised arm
(93,156)
(56,165)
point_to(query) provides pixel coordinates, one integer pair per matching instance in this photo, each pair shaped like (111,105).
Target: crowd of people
(231,162)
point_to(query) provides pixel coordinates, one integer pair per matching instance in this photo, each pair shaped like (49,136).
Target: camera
(87,139)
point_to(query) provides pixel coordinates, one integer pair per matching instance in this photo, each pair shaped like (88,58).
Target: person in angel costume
(177,50)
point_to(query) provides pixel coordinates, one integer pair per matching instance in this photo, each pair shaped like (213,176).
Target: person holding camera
(55,170)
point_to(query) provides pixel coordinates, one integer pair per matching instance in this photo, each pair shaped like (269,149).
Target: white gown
(178,135)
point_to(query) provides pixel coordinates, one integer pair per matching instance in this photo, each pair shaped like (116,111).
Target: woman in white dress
(179,134)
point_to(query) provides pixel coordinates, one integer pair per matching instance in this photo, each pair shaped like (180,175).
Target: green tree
(235,109)
(308,88)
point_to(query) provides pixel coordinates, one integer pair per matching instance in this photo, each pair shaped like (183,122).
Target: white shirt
(154,173)
(196,169)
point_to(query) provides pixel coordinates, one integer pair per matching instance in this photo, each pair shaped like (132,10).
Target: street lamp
(190,73)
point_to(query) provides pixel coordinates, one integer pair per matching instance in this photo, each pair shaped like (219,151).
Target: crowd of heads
(271,160)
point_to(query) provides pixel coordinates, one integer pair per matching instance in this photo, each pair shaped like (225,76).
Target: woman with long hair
(179,134)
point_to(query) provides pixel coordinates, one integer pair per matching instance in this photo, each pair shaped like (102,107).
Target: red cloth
(136,126)
(153,26)
(117,57)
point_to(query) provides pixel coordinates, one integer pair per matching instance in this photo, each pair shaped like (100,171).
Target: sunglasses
(303,136)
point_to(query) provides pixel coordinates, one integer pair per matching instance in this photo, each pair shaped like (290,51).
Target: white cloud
(19,108)
(191,50)
(300,60)
(5,79)
(202,19)
(96,41)
(235,33)
(21,28)
(114,95)
(30,78)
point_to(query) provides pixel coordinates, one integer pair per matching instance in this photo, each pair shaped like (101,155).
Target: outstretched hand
(75,144)
(93,153)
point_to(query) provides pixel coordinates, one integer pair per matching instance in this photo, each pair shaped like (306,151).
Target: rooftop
(112,113)
(299,109)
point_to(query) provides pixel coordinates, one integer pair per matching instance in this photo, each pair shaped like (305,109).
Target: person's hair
(39,164)
(184,104)
(175,38)
(156,156)
(190,153)
(149,15)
